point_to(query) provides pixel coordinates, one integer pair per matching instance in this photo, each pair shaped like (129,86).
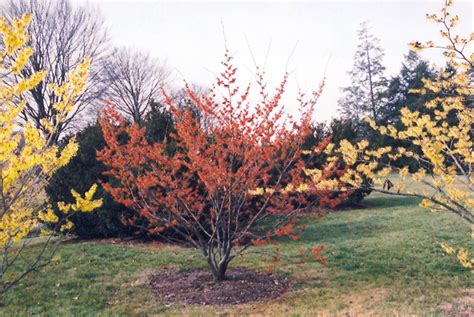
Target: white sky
(188,35)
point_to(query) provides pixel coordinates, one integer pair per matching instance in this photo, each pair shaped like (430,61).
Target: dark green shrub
(337,129)
(84,170)
(81,172)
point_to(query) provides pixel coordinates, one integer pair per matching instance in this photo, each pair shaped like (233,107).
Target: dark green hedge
(80,173)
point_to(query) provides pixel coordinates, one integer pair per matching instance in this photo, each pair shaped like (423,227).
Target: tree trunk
(371,86)
(218,270)
(221,272)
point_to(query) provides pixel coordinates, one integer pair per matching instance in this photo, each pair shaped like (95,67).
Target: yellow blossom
(27,157)
(256,192)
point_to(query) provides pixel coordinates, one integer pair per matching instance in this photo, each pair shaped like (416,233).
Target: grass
(384,260)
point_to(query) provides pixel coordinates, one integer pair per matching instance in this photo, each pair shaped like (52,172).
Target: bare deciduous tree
(134,81)
(61,36)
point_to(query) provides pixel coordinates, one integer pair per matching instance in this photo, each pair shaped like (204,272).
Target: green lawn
(384,260)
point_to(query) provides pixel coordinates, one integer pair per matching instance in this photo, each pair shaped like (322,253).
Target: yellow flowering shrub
(444,139)
(27,156)
(445,158)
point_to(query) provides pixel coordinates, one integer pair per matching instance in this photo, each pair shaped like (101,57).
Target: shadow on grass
(389,201)
(327,231)
(361,223)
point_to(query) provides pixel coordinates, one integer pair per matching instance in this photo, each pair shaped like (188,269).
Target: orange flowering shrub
(230,175)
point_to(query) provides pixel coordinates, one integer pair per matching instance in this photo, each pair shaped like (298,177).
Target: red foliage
(316,254)
(199,182)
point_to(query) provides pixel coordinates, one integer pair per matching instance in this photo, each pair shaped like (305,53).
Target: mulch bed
(199,287)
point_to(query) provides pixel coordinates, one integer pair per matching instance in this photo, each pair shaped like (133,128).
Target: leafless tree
(134,81)
(61,35)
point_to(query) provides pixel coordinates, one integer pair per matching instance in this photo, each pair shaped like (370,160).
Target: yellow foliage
(66,226)
(349,152)
(27,156)
(329,148)
(447,248)
(446,150)
(462,255)
(48,216)
(257,191)
(426,203)
(302,188)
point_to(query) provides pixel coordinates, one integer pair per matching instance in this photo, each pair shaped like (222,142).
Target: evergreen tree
(84,169)
(399,91)
(400,94)
(365,95)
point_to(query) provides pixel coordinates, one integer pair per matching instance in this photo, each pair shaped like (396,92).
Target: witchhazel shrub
(84,170)
(28,158)
(443,139)
(231,173)
(334,131)
(441,135)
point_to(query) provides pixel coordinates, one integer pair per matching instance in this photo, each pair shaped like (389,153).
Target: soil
(199,287)
(462,306)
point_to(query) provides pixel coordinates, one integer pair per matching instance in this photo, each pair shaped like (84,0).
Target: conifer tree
(400,92)
(364,96)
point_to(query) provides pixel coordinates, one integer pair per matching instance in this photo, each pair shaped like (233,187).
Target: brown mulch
(199,287)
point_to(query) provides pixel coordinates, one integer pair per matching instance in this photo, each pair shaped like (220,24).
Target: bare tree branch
(134,81)
(61,36)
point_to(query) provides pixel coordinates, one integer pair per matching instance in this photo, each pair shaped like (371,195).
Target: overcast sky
(189,36)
